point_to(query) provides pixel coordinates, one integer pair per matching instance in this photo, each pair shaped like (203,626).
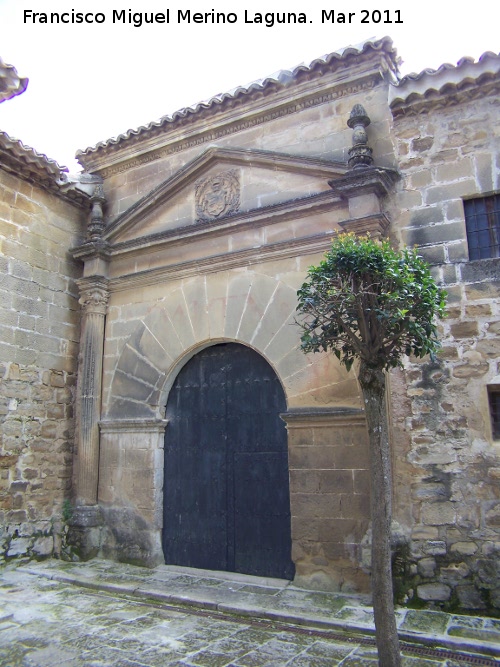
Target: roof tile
(26,162)
(11,84)
(278,80)
(447,78)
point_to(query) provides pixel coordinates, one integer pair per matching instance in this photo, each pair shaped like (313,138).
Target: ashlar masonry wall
(39,332)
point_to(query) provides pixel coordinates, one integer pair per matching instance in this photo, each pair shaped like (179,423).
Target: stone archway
(147,345)
(243,306)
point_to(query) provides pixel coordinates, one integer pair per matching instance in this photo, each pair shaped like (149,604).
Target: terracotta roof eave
(447,79)
(25,162)
(265,86)
(30,156)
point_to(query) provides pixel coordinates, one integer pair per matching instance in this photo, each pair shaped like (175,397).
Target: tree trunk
(372,383)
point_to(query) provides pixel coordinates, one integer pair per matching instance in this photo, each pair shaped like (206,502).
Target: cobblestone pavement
(46,622)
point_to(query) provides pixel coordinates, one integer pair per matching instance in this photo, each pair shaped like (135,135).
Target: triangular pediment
(222,183)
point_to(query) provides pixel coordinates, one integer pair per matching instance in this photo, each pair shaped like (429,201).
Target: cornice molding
(256,218)
(434,100)
(192,132)
(121,426)
(365,180)
(334,417)
(375,225)
(216,263)
(91,250)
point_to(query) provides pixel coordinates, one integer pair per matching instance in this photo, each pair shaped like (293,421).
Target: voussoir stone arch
(244,306)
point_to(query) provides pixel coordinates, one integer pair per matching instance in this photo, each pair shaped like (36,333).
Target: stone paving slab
(70,608)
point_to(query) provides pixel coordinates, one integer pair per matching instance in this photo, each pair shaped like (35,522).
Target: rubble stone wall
(447,465)
(39,331)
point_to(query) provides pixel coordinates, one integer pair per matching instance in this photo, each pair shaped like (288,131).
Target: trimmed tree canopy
(366,300)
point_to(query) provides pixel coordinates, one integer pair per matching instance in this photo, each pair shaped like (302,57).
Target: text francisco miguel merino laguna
(268,19)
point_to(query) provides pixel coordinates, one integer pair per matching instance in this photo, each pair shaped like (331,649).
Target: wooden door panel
(227,503)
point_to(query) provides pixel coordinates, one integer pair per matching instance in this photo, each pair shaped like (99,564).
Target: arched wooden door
(226,490)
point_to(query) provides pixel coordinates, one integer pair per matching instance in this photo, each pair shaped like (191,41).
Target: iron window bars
(482,221)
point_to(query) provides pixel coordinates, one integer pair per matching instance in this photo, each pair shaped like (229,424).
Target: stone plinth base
(85,532)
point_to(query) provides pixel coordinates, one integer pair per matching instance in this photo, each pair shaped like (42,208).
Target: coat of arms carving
(217,196)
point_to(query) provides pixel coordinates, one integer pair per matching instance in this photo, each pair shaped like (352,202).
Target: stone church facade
(186,241)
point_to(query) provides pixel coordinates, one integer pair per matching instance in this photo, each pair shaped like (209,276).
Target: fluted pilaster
(94,296)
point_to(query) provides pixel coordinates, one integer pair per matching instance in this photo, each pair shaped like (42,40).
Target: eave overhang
(446,86)
(325,79)
(26,163)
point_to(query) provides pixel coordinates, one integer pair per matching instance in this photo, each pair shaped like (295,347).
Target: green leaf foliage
(367,301)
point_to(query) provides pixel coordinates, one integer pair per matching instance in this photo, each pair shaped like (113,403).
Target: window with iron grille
(482,221)
(494,396)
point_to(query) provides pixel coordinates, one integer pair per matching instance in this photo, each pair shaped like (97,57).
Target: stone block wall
(39,332)
(442,424)
(131,490)
(445,155)
(329,497)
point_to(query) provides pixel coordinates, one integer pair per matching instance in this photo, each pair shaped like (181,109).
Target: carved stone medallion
(217,195)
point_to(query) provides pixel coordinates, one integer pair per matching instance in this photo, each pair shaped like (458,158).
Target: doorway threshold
(234,577)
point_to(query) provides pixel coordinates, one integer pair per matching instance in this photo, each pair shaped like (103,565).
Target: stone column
(94,294)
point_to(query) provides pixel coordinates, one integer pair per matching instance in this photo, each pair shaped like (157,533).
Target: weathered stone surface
(464,548)
(454,573)
(18,547)
(464,330)
(425,533)
(472,370)
(486,270)
(438,513)
(492,517)
(434,547)
(43,546)
(434,592)
(470,597)
(427,567)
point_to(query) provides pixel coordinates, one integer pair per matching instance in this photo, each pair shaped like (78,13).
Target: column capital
(94,294)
